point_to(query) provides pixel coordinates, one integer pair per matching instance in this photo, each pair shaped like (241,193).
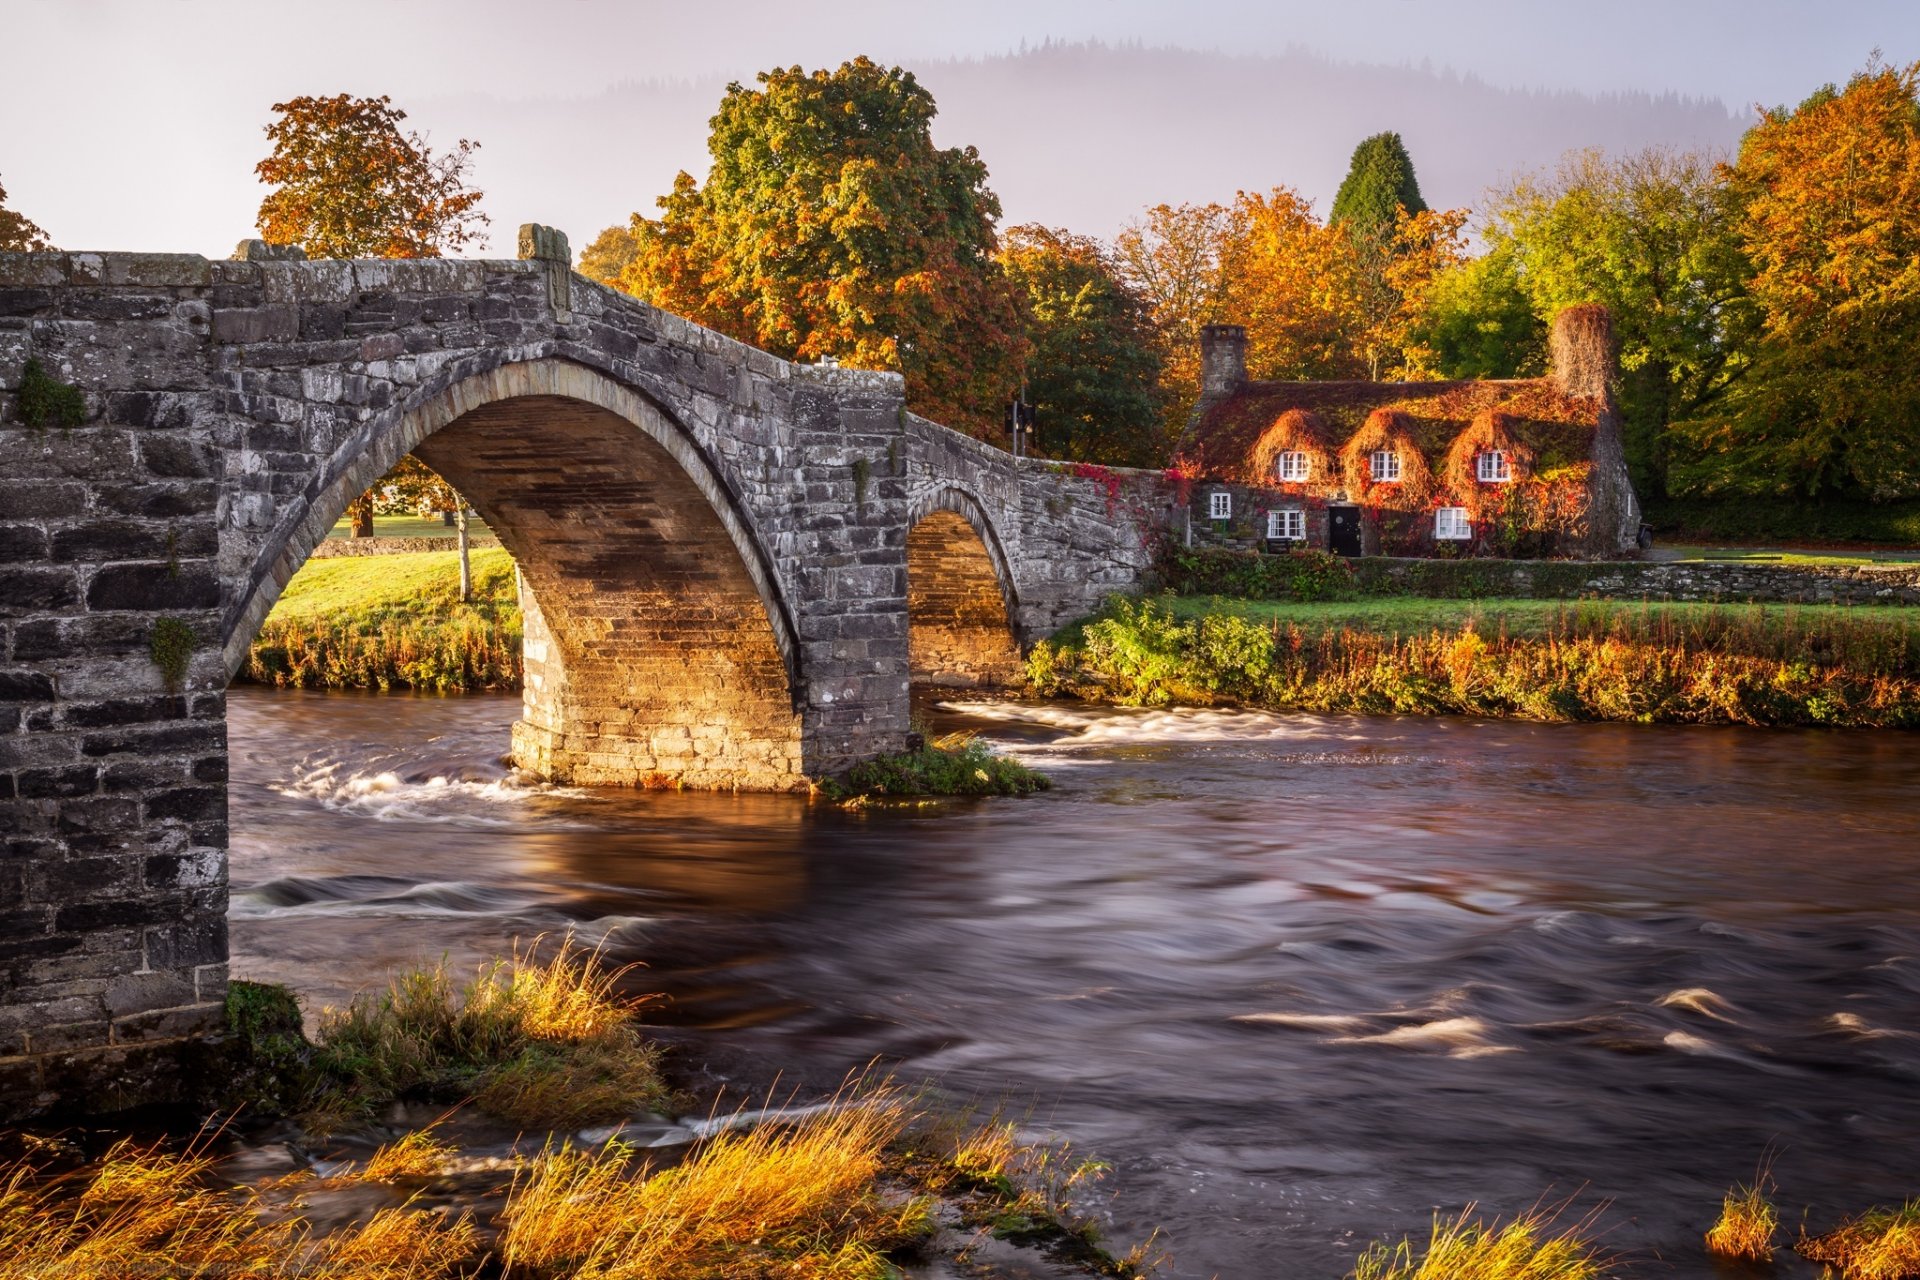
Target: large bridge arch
(962,598)
(659,647)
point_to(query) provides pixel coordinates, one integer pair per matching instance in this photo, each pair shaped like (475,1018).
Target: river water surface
(1302,980)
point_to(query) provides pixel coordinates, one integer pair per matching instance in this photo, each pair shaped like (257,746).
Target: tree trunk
(360,512)
(466,566)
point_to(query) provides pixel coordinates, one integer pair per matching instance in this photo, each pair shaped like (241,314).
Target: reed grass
(1463,1248)
(1746,1227)
(145,1211)
(1880,1244)
(535,1041)
(393,622)
(800,1199)
(1588,660)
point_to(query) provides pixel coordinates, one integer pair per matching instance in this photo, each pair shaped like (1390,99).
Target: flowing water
(1303,980)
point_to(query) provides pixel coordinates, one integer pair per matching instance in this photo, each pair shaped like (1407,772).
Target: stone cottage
(1517,467)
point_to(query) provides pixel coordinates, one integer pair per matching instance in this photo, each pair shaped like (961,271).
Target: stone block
(163,269)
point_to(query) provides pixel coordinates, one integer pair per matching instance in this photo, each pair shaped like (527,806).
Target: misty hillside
(1085,136)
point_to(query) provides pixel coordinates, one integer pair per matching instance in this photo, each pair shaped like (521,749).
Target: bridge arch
(962,599)
(658,646)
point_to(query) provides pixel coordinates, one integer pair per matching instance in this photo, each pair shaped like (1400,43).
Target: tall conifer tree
(1379,181)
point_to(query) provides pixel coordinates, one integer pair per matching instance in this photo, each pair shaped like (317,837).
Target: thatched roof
(1555,428)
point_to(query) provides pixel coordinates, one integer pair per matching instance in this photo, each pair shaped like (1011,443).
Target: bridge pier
(717,546)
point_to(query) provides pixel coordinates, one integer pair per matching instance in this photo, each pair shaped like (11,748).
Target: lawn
(412,527)
(1399,617)
(383,622)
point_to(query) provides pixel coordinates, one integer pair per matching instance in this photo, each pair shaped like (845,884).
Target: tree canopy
(1379,184)
(1825,206)
(17,233)
(830,225)
(1094,367)
(348,183)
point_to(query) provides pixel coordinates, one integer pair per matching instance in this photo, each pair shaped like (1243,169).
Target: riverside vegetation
(839,1191)
(1527,659)
(849,1189)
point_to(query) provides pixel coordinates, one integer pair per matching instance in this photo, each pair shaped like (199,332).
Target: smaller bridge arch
(962,599)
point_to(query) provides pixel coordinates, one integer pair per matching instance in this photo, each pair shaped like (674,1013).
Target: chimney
(1223,359)
(1581,358)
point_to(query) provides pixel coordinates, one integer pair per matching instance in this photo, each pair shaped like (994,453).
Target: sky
(138,124)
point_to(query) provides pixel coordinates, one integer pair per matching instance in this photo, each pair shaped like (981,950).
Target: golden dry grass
(1463,1248)
(535,1041)
(417,1155)
(800,1200)
(1746,1227)
(144,1211)
(1880,1244)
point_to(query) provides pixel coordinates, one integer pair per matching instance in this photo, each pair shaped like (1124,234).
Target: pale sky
(135,124)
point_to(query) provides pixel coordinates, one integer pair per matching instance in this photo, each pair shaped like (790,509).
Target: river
(1303,980)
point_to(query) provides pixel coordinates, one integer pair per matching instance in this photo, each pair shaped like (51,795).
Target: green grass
(383,622)
(955,765)
(412,527)
(1786,555)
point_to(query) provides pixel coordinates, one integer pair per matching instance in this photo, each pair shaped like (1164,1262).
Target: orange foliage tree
(348,183)
(18,234)
(1827,201)
(830,225)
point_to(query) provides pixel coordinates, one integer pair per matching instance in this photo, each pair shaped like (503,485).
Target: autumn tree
(1649,235)
(1172,258)
(830,225)
(1825,203)
(1094,366)
(1380,183)
(17,233)
(1477,322)
(349,183)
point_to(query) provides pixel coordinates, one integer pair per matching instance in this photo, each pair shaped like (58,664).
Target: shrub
(957,765)
(536,1042)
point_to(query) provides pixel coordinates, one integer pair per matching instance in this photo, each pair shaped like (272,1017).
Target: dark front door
(1343,530)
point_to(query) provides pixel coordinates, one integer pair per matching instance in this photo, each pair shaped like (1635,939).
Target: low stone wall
(1636,580)
(328,548)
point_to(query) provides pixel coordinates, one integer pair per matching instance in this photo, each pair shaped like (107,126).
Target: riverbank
(1526,659)
(393,622)
(518,1124)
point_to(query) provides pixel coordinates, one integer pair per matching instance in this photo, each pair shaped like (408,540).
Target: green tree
(830,225)
(1094,367)
(1650,235)
(1379,183)
(1479,323)
(17,233)
(348,183)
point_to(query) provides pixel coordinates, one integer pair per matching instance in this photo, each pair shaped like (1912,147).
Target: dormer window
(1452,524)
(1288,524)
(1493,467)
(1385,465)
(1220,505)
(1291,465)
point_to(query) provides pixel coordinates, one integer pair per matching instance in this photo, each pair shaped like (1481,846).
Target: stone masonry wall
(232,409)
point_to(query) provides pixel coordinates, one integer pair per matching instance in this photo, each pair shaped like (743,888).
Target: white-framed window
(1219,505)
(1292,465)
(1493,467)
(1385,465)
(1288,523)
(1452,524)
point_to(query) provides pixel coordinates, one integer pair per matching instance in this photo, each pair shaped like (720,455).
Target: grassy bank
(1526,659)
(393,622)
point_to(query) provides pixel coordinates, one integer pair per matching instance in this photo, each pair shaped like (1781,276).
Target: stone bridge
(731,569)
